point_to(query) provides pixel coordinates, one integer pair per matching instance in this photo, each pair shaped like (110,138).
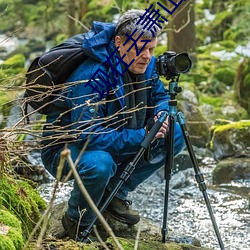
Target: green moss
(14,234)
(22,200)
(128,244)
(225,75)
(239,128)
(236,125)
(9,219)
(214,101)
(16,61)
(16,237)
(6,243)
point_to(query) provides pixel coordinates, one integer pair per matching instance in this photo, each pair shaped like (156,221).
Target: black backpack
(48,73)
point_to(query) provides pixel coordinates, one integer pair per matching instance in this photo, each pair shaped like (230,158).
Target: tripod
(173,90)
(169,163)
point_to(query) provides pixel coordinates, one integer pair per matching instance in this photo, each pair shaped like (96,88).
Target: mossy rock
(231,169)
(232,139)
(219,107)
(22,200)
(128,244)
(10,231)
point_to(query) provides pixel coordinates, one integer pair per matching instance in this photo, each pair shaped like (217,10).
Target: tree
(181,28)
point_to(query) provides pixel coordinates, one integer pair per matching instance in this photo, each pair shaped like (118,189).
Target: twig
(137,236)
(66,154)
(99,238)
(77,21)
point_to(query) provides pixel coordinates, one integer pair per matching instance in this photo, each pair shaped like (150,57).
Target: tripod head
(174,89)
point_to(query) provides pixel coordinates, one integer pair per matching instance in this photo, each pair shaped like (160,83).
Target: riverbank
(188,215)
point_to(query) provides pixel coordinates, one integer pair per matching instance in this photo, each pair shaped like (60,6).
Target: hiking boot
(121,211)
(75,231)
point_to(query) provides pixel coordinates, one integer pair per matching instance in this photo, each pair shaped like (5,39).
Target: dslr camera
(171,65)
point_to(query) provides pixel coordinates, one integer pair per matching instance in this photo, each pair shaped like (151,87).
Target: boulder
(150,235)
(231,169)
(232,139)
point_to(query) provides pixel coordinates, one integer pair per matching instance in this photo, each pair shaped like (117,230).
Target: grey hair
(127,24)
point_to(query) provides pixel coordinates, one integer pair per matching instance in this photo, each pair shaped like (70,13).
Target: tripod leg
(199,177)
(168,173)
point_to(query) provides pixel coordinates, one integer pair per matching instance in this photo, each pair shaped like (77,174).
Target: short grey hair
(127,24)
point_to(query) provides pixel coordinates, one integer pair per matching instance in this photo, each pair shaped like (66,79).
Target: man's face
(141,62)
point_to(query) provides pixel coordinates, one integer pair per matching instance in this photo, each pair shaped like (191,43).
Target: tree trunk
(181,34)
(72,13)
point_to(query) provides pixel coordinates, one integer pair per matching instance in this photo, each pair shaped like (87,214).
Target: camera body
(171,65)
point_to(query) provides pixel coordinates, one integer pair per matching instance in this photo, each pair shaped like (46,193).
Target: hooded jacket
(80,116)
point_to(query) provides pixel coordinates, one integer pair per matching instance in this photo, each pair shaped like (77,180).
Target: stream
(187,212)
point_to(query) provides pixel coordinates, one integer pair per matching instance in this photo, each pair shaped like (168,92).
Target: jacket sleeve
(159,95)
(88,120)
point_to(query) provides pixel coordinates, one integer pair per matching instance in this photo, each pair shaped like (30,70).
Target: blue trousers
(100,170)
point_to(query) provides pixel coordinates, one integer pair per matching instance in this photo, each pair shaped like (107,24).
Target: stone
(229,140)
(231,169)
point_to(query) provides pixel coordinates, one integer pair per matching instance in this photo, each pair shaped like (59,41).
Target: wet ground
(187,212)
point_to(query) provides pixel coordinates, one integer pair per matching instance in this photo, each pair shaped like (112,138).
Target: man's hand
(164,128)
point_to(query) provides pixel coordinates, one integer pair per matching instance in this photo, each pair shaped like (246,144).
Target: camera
(171,65)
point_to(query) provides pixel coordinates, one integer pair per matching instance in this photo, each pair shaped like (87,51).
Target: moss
(22,200)
(128,244)
(238,128)
(236,125)
(13,239)
(6,243)
(16,237)
(212,100)
(9,219)
(17,61)
(225,75)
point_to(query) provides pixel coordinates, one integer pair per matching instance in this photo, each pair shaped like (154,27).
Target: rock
(197,125)
(231,169)
(181,179)
(232,139)
(149,238)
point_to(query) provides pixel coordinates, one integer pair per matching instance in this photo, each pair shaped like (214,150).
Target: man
(112,125)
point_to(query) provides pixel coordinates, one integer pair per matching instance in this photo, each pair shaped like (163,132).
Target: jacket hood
(98,42)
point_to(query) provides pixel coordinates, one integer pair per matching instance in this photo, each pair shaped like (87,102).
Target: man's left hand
(164,128)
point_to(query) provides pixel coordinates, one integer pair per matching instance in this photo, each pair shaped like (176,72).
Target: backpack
(48,73)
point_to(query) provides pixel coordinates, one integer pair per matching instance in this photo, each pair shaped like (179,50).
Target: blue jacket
(105,132)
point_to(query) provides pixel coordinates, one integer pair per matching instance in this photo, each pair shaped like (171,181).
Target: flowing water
(187,212)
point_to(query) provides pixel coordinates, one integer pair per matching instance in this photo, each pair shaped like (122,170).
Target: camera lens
(182,63)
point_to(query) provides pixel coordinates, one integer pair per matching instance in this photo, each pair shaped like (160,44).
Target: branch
(67,155)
